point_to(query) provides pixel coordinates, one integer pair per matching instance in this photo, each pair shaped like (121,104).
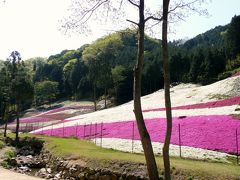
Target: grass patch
(8,155)
(2,144)
(236,116)
(74,148)
(218,96)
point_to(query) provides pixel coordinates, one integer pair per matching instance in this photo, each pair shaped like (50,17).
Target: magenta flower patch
(236,74)
(217,133)
(49,116)
(220,103)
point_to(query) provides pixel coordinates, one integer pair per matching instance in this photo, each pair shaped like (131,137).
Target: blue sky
(32,26)
(220,11)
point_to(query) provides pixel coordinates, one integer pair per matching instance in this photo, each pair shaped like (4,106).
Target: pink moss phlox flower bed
(69,107)
(48,116)
(217,133)
(34,119)
(60,121)
(236,74)
(214,104)
(80,131)
(25,127)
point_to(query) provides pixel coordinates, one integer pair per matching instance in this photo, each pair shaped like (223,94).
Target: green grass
(74,148)
(2,144)
(218,96)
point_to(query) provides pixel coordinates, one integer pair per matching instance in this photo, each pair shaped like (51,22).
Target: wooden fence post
(132,136)
(101,134)
(95,133)
(237,145)
(90,133)
(42,128)
(76,130)
(51,130)
(63,130)
(84,131)
(179,138)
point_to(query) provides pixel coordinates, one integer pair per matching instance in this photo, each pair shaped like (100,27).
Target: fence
(125,130)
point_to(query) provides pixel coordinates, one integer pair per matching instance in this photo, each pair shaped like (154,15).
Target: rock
(114,177)
(81,175)
(24,169)
(105,177)
(92,177)
(43,173)
(49,176)
(56,168)
(131,177)
(12,162)
(42,170)
(49,170)
(96,176)
(57,176)
(91,171)
(29,156)
(72,170)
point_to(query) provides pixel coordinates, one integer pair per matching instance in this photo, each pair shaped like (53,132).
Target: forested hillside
(1,64)
(105,67)
(208,57)
(214,37)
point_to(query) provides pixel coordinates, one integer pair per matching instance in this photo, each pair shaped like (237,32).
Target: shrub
(2,144)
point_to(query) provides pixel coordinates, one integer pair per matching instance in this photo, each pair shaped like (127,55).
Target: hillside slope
(212,37)
(205,116)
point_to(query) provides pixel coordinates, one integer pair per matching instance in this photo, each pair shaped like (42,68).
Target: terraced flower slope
(205,122)
(54,116)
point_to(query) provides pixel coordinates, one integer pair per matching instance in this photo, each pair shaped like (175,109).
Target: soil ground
(10,175)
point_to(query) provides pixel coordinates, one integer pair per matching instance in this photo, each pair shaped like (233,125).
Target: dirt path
(10,175)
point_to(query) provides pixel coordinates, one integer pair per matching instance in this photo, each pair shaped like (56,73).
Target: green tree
(93,76)
(68,86)
(45,92)
(118,77)
(76,76)
(179,66)
(233,36)
(105,76)
(20,84)
(196,65)
(4,97)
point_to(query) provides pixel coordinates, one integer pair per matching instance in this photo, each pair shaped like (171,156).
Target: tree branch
(120,6)
(182,5)
(136,5)
(153,18)
(90,11)
(132,22)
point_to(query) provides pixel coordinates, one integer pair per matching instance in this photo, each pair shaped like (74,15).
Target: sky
(32,26)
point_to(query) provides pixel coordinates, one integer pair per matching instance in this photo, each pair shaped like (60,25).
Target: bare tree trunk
(105,98)
(5,129)
(94,97)
(166,159)
(5,117)
(116,95)
(17,125)
(75,95)
(145,138)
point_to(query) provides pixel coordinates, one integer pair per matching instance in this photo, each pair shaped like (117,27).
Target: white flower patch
(174,150)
